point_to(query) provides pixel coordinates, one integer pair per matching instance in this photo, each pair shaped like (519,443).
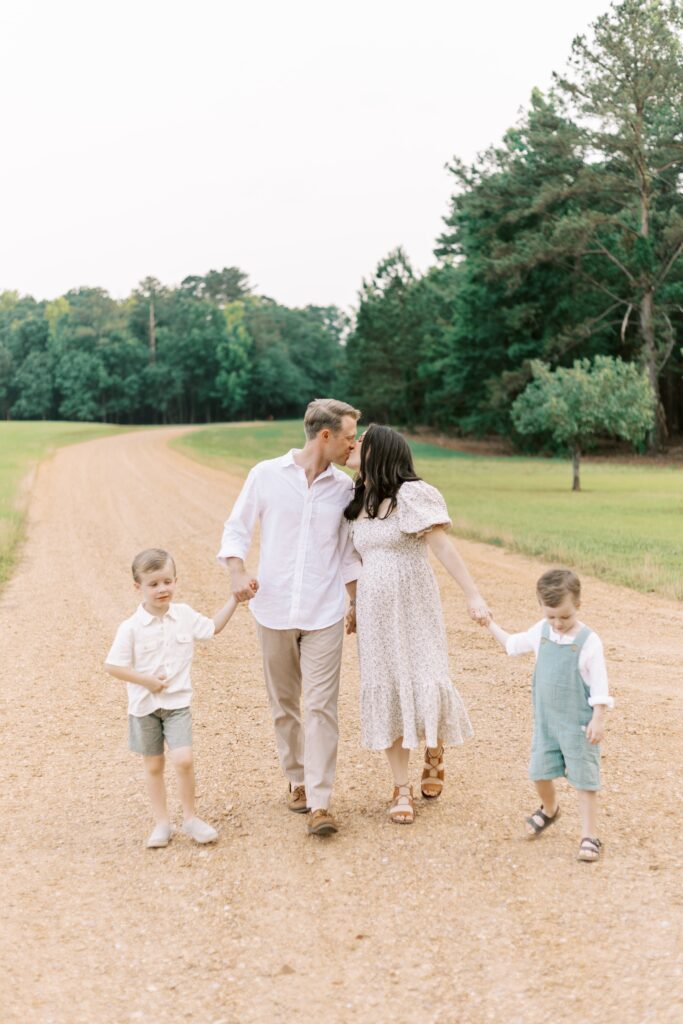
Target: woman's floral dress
(405,687)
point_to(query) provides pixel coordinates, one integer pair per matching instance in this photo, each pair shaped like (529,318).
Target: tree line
(562,244)
(207,350)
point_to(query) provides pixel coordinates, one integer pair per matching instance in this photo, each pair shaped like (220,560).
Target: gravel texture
(454,919)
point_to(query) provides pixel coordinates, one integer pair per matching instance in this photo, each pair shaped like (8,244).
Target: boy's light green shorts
(146,733)
(570,754)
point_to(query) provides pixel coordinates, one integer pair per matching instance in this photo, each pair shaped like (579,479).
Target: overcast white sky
(300,140)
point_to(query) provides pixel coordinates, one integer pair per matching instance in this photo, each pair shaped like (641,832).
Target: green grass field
(22,447)
(626,525)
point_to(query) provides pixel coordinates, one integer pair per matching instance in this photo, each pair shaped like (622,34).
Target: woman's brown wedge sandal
(433,773)
(402,810)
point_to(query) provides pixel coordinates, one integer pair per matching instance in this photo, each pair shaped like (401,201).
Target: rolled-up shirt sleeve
(350,562)
(239,526)
(594,671)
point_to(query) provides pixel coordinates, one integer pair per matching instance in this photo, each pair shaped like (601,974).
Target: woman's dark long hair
(386,462)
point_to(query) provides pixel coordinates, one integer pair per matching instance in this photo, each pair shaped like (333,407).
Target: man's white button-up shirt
(153,643)
(306,553)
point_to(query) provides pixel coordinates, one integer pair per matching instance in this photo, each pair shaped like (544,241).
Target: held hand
(157,683)
(595,730)
(243,588)
(351,619)
(479,611)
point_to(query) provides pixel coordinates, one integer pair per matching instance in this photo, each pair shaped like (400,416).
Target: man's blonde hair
(327,413)
(151,560)
(556,584)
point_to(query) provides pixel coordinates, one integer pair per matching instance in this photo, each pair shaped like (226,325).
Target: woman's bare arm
(452,562)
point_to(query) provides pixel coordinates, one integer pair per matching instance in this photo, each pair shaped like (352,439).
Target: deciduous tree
(574,406)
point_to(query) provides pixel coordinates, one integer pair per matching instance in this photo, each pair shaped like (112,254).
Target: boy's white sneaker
(159,837)
(200,831)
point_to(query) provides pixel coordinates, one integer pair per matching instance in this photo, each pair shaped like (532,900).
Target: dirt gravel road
(455,919)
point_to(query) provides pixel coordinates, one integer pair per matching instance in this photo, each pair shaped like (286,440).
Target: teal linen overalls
(561,714)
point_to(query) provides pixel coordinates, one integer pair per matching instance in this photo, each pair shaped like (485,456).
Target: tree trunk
(152,334)
(647,330)
(576,458)
(647,322)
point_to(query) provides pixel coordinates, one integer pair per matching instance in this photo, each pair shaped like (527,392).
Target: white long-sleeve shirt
(306,553)
(592,666)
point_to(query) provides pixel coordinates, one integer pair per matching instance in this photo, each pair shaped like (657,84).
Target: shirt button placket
(167,667)
(301,558)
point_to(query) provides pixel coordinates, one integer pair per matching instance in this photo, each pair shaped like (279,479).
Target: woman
(406,693)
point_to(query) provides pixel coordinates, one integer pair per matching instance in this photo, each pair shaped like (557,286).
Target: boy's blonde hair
(556,584)
(326,413)
(151,560)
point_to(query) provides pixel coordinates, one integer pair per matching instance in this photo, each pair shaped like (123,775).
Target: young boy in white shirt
(570,695)
(152,652)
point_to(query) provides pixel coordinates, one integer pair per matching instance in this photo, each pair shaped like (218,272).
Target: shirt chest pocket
(183,646)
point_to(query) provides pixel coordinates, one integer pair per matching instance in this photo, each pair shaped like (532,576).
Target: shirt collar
(569,637)
(288,460)
(144,617)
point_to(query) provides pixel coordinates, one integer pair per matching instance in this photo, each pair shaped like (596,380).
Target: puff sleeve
(420,507)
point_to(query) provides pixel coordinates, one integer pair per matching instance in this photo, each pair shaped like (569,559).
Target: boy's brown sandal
(589,850)
(433,774)
(296,799)
(540,821)
(402,810)
(321,823)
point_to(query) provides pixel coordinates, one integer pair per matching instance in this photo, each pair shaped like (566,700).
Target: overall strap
(581,637)
(545,630)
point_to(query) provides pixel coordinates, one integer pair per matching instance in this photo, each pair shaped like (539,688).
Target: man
(306,558)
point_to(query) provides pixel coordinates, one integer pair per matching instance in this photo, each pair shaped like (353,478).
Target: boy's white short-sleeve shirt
(591,659)
(151,644)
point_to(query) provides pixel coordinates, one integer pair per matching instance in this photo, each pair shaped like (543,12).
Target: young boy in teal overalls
(570,695)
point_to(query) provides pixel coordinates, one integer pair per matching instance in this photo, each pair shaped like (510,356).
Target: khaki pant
(299,661)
